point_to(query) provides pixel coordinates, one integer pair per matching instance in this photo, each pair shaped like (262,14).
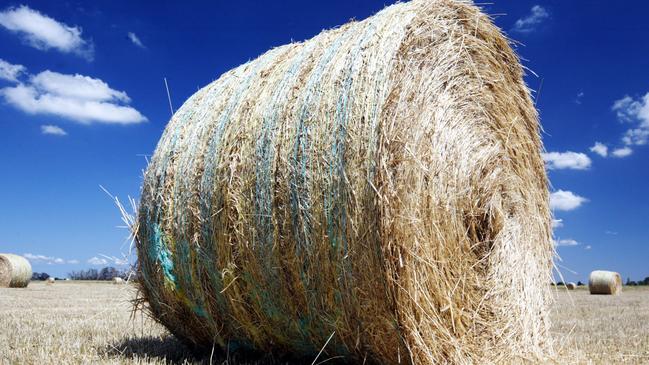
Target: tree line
(107,273)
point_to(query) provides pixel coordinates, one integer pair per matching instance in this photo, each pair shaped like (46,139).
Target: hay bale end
(605,282)
(15,271)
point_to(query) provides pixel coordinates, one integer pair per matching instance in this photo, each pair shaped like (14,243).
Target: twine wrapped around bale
(15,271)
(378,189)
(605,282)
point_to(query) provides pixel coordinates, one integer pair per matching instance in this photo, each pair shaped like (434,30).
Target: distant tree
(645,281)
(40,276)
(560,283)
(628,281)
(106,273)
(579,283)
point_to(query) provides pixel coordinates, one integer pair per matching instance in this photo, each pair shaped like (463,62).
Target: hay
(571,286)
(15,271)
(605,282)
(50,281)
(118,280)
(380,184)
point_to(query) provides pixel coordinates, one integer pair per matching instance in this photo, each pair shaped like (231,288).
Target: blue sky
(82,101)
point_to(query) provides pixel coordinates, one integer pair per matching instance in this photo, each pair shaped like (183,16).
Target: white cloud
(97,261)
(116,260)
(579,97)
(587,247)
(76,97)
(135,39)
(42,32)
(50,260)
(612,233)
(106,260)
(600,149)
(622,152)
(527,24)
(566,160)
(9,71)
(566,200)
(557,223)
(77,87)
(566,242)
(73,262)
(635,112)
(53,130)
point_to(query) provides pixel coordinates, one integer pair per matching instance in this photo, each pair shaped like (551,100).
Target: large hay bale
(118,280)
(571,286)
(380,185)
(50,281)
(15,271)
(604,282)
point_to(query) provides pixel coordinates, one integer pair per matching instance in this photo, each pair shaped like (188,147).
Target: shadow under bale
(173,351)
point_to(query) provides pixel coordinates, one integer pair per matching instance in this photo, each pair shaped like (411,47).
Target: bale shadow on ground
(170,350)
(167,348)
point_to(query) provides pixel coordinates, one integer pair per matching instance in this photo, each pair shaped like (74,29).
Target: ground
(83,323)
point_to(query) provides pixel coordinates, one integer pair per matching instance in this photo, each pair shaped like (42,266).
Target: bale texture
(604,282)
(380,185)
(15,271)
(571,286)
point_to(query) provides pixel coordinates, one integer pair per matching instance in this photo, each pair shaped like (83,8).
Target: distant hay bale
(604,282)
(118,280)
(378,189)
(50,280)
(571,286)
(15,271)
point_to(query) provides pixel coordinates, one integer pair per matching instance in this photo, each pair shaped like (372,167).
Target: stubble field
(89,323)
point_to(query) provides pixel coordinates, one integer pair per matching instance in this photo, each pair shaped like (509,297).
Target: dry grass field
(89,323)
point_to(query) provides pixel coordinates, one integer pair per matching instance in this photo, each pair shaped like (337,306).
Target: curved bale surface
(15,271)
(605,282)
(571,286)
(380,184)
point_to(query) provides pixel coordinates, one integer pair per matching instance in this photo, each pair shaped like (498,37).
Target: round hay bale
(50,280)
(118,280)
(604,282)
(15,271)
(378,189)
(571,286)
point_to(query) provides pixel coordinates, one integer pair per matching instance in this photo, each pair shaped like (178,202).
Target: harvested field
(75,323)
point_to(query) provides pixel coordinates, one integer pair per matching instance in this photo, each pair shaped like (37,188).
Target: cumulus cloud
(587,247)
(529,23)
(53,130)
(557,223)
(50,260)
(135,39)
(76,97)
(566,242)
(600,149)
(97,261)
(106,260)
(42,32)
(10,72)
(635,112)
(622,152)
(566,160)
(566,200)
